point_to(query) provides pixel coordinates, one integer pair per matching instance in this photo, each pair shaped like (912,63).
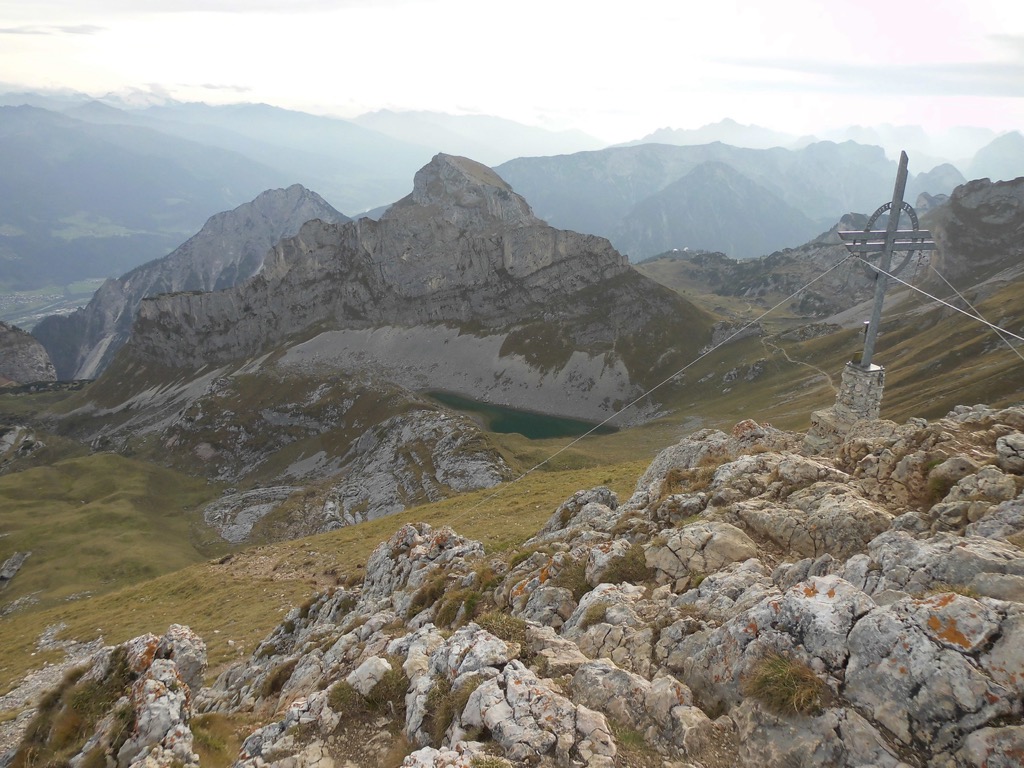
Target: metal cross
(885,242)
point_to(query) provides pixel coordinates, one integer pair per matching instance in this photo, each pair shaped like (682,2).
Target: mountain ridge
(228,249)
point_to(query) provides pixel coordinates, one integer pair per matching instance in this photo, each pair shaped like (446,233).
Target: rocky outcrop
(228,250)
(22,358)
(17,442)
(319,453)
(803,610)
(11,566)
(130,706)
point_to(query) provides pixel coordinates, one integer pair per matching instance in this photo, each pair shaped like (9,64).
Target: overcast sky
(617,70)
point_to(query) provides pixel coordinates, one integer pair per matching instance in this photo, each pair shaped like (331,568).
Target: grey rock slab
(914,665)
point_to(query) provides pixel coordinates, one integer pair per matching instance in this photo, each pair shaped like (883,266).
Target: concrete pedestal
(859,398)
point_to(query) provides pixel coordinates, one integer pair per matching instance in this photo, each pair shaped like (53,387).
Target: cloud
(74,29)
(80,29)
(1002,79)
(220,87)
(100,7)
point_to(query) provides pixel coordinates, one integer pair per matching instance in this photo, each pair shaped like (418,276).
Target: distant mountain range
(649,198)
(956,145)
(79,200)
(93,188)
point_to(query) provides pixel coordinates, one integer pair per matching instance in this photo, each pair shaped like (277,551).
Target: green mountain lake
(536,426)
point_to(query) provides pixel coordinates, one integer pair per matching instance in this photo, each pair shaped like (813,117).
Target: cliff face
(22,358)
(462,250)
(980,230)
(228,250)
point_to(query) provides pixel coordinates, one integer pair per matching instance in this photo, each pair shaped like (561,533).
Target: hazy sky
(615,69)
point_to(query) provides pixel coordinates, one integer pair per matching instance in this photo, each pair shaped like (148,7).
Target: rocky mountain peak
(465,193)
(22,358)
(228,250)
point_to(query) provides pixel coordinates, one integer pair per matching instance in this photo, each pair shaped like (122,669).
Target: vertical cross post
(885,261)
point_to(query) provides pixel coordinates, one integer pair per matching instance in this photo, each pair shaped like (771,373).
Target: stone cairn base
(859,398)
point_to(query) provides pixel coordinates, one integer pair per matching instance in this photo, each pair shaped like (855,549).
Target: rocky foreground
(748,605)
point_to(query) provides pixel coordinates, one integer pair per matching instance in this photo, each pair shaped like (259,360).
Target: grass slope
(241,597)
(96,523)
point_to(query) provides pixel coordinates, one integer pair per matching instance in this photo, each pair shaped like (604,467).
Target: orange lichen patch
(831,593)
(941,601)
(811,591)
(903,670)
(948,631)
(752,628)
(545,574)
(992,698)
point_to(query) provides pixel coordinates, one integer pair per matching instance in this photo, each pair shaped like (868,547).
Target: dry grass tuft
(786,686)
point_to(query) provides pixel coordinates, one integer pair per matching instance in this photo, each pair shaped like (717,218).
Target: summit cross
(885,243)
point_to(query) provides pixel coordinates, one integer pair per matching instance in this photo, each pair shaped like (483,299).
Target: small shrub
(345,700)
(938,487)
(633,746)
(307,606)
(486,578)
(573,576)
(67,716)
(504,626)
(439,710)
(942,588)
(276,679)
(594,614)
(785,686)
(448,608)
(428,594)
(489,761)
(94,758)
(388,695)
(400,749)
(214,740)
(631,567)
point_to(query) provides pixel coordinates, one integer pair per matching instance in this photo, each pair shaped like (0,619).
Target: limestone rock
(993,748)
(368,674)
(594,506)
(560,656)
(462,249)
(663,709)
(1000,521)
(897,561)
(701,548)
(837,737)
(235,514)
(403,563)
(529,719)
(1010,453)
(810,621)
(823,518)
(23,359)
(924,670)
